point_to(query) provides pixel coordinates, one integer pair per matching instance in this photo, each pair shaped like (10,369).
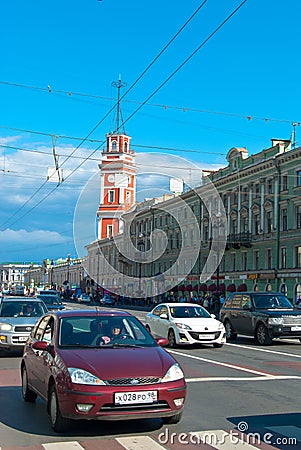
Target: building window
(114,146)
(284,183)
(233,262)
(270,186)
(269,259)
(283,258)
(284,219)
(298,216)
(128,197)
(244,261)
(257,190)
(269,222)
(298,180)
(109,231)
(298,257)
(125,147)
(256,260)
(256,224)
(111,196)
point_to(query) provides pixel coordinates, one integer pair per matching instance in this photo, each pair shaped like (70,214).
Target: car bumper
(194,337)
(280,331)
(104,408)
(13,341)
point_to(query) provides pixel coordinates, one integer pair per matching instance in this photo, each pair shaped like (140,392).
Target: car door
(244,321)
(42,359)
(163,322)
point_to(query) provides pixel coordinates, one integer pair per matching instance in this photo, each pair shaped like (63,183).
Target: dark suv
(264,315)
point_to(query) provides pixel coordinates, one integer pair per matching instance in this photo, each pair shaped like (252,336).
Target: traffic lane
(267,361)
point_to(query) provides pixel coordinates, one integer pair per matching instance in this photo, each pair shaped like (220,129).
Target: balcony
(238,240)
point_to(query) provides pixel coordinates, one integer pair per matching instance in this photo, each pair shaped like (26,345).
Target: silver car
(17,318)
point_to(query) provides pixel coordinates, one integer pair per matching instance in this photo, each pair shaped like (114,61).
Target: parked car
(17,319)
(53,302)
(84,298)
(107,300)
(90,374)
(264,315)
(185,324)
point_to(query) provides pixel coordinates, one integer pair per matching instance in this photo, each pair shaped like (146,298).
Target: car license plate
(127,398)
(23,338)
(296,328)
(206,336)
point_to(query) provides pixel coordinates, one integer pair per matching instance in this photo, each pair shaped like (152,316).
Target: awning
(212,287)
(188,288)
(242,288)
(181,287)
(203,287)
(195,288)
(222,287)
(231,287)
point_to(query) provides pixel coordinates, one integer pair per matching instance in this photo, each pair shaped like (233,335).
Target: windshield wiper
(119,344)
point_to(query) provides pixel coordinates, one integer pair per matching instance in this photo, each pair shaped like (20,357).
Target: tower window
(109,231)
(128,197)
(114,146)
(125,147)
(111,196)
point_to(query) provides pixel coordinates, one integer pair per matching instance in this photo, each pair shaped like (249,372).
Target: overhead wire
(140,106)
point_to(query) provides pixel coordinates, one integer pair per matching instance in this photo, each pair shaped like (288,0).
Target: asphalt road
(250,392)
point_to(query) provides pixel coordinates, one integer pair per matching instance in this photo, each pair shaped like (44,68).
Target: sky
(219,84)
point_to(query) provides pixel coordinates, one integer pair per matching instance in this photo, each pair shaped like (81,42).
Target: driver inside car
(114,335)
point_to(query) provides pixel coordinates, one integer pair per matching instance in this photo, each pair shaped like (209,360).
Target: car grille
(203,336)
(23,329)
(292,320)
(158,406)
(132,381)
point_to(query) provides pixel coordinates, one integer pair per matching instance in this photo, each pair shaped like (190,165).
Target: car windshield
(272,301)
(24,308)
(51,300)
(188,312)
(104,331)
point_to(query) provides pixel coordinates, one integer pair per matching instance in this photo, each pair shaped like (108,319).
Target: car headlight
(275,320)
(5,327)
(174,373)
(182,326)
(81,376)
(220,326)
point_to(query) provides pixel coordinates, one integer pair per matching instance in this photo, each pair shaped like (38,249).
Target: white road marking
(268,378)
(139,443)
(222,440)
(229,366)
(71,445)
(264,350)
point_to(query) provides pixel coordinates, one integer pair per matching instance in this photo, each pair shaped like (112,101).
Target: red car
(94,364)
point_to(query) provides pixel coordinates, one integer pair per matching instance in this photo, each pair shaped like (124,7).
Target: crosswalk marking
(139,443)
(71,445)
(221,440)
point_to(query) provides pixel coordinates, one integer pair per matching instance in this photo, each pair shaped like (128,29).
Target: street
(250,392)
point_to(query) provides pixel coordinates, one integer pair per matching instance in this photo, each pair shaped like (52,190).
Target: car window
(40,328)
(233,302)
(246,301)
(187,312)
(164,310)
(157,311)
(272,301)
(50,299)
(91,331)
(22,308)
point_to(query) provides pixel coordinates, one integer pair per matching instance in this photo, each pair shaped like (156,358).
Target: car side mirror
(163,342)
(248,308)
(163,316)
(213,316)
(43,346)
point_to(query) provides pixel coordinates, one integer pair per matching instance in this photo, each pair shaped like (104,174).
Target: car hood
(19,321)
(280,312)
(204,324)
(108,363)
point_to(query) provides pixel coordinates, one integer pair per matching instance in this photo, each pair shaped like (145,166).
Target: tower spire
(119,120)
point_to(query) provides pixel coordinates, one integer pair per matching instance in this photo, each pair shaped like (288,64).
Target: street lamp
(218,228)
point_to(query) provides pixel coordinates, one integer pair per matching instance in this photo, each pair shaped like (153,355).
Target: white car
(185,323)
(84,298)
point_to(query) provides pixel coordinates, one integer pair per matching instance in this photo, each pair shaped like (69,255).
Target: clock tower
(117,178)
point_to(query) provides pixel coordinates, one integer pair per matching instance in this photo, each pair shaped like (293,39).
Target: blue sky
(248,69)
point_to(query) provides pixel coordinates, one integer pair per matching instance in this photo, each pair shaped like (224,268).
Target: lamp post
(218,239)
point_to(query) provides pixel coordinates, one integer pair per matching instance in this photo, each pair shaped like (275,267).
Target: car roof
(90,312)
(21,299)
(178,304)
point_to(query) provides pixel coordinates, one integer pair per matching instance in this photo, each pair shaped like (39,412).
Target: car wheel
(27,394)
(262,335)
(216,345)
(230,335)
(59,424)
(172,339)
(173,419)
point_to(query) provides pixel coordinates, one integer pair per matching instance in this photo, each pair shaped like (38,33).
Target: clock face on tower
(111,178)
